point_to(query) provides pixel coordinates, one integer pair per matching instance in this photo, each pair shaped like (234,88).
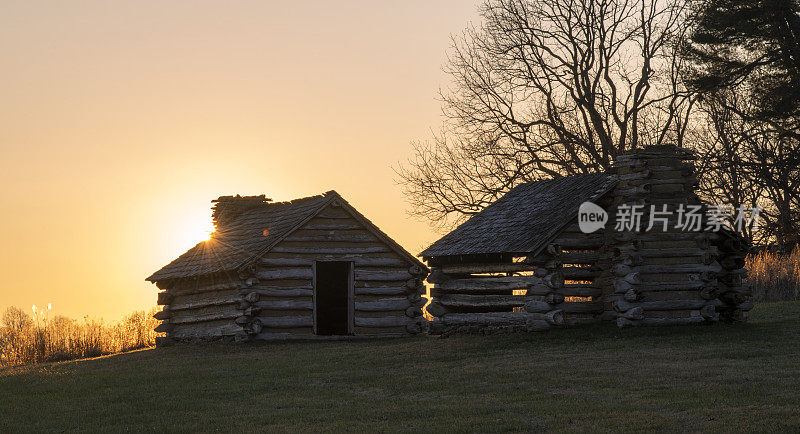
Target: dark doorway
(332,305)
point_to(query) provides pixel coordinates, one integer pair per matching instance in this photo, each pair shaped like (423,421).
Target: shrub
(26,339)
(774,276)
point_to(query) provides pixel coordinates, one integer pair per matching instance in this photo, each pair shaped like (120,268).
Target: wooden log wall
(732,290)
(278,303)
(556,287)
(658,277)
(654,277)
(199,308)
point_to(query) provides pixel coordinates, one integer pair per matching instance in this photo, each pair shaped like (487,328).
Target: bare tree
(719,137)
(546,88)
(747,162)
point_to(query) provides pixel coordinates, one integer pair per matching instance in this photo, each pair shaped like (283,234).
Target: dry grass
(774,277)
(27,339)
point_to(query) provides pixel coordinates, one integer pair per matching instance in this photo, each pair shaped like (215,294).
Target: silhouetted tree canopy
(546,88)
(755,40)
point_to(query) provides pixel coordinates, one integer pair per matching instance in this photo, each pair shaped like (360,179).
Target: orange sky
(120,121)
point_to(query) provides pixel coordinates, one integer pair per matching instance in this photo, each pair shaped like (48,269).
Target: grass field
(726,377)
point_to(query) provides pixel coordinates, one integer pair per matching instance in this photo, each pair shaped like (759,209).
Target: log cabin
(524,264)
(311,268)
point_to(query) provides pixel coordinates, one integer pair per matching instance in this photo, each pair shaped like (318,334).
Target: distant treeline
(36,338)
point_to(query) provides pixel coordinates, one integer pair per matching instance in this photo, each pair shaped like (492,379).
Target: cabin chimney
(226,208)
(667,274)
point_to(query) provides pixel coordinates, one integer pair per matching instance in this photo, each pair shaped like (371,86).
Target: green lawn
(724,377)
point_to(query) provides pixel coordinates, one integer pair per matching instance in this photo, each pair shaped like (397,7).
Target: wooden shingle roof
(524,219)
(254,232)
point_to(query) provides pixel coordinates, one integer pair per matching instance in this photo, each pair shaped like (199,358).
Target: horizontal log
(273,259)
(577,242)
(486,318)
(191,331)
(162,315)
(574,290)
(624,322)
(540,289)
(286,273)
(484,284)
(285,304)
(387,321)
(675,252)
(287,321)
(389,290)
(623,270)
(463,301)
(580,273)
(479,268)
(584,258)
(538,306)
(382,275)
(580,307)
(212,301)
(281,291)
(204,285)
(496,319)
(622,286)
(387,304)
(213,316)
(622,305)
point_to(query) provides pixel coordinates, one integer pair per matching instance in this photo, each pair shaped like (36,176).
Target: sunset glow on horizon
(120,122)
